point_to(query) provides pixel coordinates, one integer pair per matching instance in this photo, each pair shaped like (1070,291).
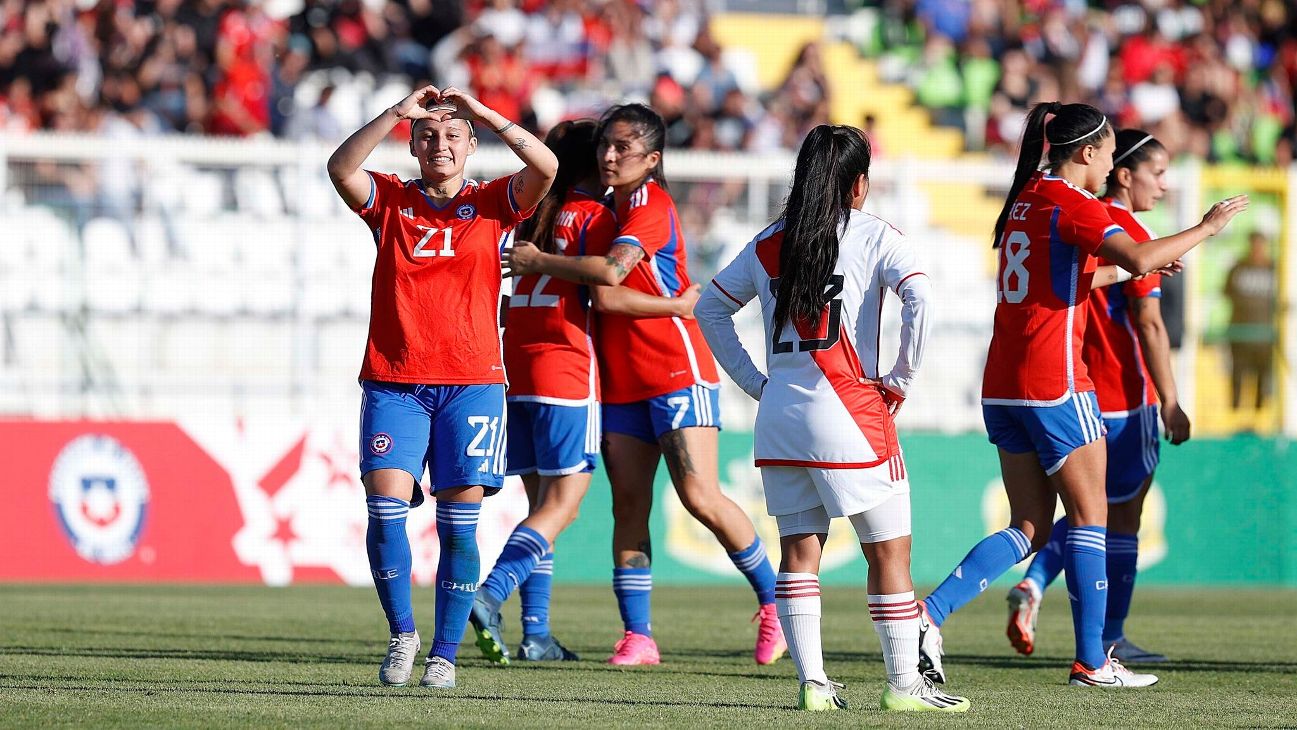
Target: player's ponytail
(573,143)
(1134,147)
(1073,127)
(815,214)
(648,124)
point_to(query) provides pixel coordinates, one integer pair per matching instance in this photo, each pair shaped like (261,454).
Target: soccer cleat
(816,696)
(1111,675)
(1128,653)
(922,696)
(398,665)
(770,636)
(1024,610)
(438,673)
(634,650)
(544,649)
(487,632)
(930,647)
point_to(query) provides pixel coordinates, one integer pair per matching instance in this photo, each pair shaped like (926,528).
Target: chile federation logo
(100,497)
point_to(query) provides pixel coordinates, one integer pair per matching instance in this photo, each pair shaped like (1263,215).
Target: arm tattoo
(623,258)
(518,184)
(643,558)
(676,452)
(520,143)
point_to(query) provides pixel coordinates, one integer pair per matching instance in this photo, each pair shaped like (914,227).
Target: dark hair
(647,123)
(1073,127)
(814,216)
(1134,147)
(573,144)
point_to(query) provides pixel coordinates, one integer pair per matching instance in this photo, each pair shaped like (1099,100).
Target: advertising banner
(280,502)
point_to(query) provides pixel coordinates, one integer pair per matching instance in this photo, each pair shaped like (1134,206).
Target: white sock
(797,600)
(896,619)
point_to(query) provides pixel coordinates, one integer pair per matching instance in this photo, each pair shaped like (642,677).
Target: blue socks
(1123,559)
(522,552)
(458,570)
(1048,563)
(633,587)
(1087,588)
(988,560)
(755,566)
(389,559)
(534,593)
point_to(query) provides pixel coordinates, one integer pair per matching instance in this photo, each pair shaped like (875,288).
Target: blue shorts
(647,420)
(1133,452)
(456,432)
(1052,432)
(551,439)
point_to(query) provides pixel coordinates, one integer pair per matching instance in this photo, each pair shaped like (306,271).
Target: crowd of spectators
(231,67)
(1213,79)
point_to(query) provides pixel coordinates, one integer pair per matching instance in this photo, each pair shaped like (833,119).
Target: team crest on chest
(465,211)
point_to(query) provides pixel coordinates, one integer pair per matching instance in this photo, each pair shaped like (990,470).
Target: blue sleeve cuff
(1112,230)
(633,241)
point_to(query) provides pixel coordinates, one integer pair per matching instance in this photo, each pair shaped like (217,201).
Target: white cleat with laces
(1112,675)
(399,662)
(438,673)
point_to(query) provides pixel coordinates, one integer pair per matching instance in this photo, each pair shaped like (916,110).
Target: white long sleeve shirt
(814,410)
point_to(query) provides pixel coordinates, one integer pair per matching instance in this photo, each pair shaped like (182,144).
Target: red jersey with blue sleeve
(548,350)
(644,358)
(434,306)
(1112,352)
(1047,263)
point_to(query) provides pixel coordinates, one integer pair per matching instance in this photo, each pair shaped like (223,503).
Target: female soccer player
(552,400)
(659,382)
(825,440)
(1037,397)
(432,379)
(1124,333)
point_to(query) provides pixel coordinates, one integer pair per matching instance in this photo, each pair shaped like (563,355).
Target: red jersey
(434,309)
(1047,262)
(1111,352)
(548,351)
(643,358)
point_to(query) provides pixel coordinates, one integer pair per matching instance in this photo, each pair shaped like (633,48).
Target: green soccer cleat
(487,634)
(922,696)
(821,696)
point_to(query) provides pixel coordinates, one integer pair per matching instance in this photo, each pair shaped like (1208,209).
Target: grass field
(223,656)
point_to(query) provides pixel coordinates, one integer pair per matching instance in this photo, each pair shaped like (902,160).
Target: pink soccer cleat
(635,650)
(770,636)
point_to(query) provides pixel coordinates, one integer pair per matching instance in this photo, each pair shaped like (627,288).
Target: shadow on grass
(200,637)
(197,654)
(1178,665)
(354,691)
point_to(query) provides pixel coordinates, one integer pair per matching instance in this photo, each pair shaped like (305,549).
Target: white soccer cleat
(930,647)
(438,673)
(1112,675)
(922,696)
(1024,610)
(1129,653)
(399,662)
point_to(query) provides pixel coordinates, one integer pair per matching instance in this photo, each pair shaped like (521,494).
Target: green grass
(110,656)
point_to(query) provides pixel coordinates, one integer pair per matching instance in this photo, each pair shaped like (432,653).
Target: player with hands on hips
(432,379)
(1038,398)
(825,440)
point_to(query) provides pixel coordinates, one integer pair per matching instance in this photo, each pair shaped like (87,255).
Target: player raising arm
(1037,397)
(1125,332)
(432,379)
(825,440)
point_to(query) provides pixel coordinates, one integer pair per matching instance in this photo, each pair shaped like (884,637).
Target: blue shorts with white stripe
(456,432)
(647,420)
(1052,432)
(1133,452)
(552,439)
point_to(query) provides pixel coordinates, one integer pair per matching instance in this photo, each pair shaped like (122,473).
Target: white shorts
(886,521)
(841,492)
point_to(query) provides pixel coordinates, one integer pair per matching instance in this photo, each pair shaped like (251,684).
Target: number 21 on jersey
(1014,276)
(432,238)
